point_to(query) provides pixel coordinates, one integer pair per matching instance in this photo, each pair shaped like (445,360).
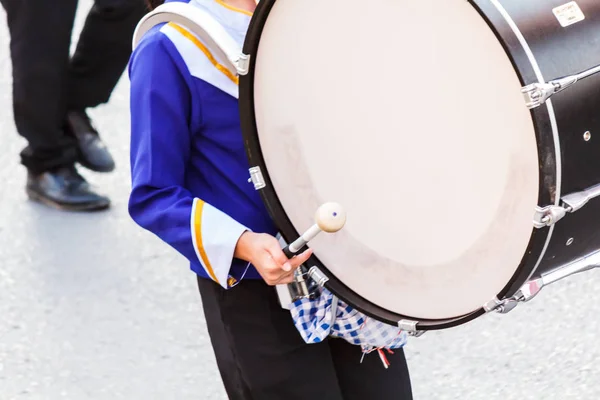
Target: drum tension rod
(537,94)
(534,287)
(549,215)
(523,295)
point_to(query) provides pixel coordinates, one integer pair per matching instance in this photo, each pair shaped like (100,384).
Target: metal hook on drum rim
(549,215)
(537,94)
(532,288)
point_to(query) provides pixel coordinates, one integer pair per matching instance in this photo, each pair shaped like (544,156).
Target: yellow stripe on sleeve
(198,233)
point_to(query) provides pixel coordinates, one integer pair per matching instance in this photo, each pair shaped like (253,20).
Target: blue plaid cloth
(315,321)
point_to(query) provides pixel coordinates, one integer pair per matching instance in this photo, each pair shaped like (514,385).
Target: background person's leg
(40,38)
(102,53)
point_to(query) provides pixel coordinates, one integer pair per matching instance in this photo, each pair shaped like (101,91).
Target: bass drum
(460,136)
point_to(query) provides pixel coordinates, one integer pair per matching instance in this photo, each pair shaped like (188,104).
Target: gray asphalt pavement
(91,307)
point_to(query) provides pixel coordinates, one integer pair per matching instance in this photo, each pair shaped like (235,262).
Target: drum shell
(561,51)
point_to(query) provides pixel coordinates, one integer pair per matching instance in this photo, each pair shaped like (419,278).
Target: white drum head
(409,114)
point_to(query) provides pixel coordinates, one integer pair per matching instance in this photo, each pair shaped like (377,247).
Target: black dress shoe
(64,189)
(93,153)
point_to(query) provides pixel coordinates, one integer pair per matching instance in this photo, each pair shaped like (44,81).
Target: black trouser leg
(40,38)
(369,379)
(103,51)
(231,375)
(261,355)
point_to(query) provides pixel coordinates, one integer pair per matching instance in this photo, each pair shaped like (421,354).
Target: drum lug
(547,216)
(586,263)
(577,200)
(243,64)
(256,177)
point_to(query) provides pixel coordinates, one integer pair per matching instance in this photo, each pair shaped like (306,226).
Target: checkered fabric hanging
(326,315)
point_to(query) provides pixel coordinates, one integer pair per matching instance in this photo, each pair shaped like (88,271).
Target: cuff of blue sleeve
(215,235)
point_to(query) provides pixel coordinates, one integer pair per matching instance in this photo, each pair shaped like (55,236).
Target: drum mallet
(330,218)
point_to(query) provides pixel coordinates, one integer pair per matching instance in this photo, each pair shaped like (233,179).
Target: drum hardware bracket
(410,327)
(534,287)
(303,287)
(577,200)
(306,285)
(537,94)
(318,276)
(523,295)
(256,177)
(549,215)
(242,64)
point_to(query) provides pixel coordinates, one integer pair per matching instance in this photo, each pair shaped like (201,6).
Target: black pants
(47,81)
(261,355)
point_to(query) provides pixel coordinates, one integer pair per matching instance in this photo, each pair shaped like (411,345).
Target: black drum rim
(289,233)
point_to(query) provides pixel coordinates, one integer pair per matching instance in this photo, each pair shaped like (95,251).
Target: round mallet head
(330,217)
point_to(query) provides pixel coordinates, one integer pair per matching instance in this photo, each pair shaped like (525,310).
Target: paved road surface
(93,308)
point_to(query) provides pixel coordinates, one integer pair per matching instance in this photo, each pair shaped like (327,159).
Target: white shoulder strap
(201,24)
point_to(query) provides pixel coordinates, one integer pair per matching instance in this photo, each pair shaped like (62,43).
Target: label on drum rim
(568,14)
